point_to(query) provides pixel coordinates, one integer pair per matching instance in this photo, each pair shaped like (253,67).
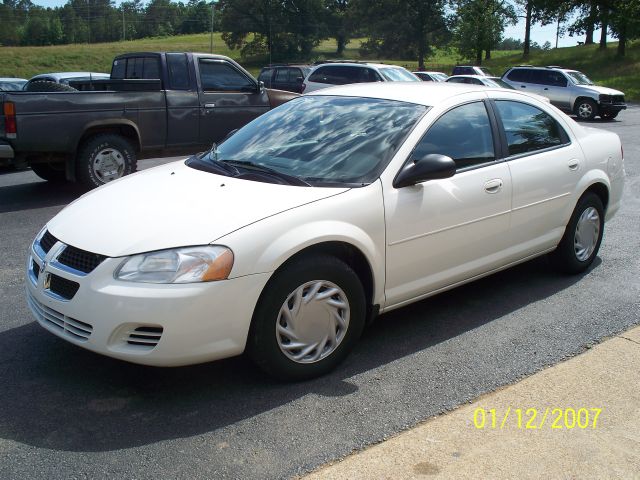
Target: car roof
(60,75)
(481,77)
(358,64)
(430,72)
(420,93)
(12,79)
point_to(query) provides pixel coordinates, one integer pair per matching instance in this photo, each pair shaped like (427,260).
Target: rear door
(229,99)
(554,87)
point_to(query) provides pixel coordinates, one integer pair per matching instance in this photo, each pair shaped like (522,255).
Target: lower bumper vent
(70,327)
(146,337)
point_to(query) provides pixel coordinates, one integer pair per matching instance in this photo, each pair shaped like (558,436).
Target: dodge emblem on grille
(47,281)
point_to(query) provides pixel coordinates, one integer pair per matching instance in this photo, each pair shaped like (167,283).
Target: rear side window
(178,67)
(554,79)
(283,75)
(221,76)
(518,75)
(528,128)
(463,71)
(336,75)
(463,133)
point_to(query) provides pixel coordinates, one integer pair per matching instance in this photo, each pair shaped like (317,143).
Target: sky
(539,34)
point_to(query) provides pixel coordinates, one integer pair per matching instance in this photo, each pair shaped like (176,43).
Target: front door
(441,232)
(229,99)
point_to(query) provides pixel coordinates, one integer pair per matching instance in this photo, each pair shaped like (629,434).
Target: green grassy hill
(601,66)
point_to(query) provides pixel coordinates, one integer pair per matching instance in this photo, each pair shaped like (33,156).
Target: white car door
(441,232)
(545,167)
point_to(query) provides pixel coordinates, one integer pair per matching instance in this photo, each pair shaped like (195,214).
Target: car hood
(601,90)
(172,206)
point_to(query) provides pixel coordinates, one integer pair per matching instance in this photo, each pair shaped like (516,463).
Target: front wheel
(308,318)
(586,109)
(104,158)
(582,237)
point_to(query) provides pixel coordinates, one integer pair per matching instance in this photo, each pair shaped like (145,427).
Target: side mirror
(430,167)
(261,86)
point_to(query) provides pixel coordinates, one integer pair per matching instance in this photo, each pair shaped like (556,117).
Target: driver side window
(463,133)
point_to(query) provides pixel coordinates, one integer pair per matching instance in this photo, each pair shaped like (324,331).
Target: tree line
(290,29)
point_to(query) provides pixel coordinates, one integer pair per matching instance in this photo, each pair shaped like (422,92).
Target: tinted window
(528,128)
(336,75)
(220,76)
(456,80)
(283,75)
(265,76)
(134,67)
(425,77)
(178,71)
(555,79)
(118,68)
(463,133)
(325,139)
(463,71)
(151,68)
(518,75)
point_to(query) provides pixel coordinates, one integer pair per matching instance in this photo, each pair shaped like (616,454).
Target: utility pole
(212,10)
(124,35)
(89,21)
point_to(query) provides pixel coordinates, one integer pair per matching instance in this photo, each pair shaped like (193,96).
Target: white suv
(341,73)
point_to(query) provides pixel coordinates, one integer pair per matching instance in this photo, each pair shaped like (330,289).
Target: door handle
(523,86)
(209,105)
(573,164)
(546,88)
(493,186)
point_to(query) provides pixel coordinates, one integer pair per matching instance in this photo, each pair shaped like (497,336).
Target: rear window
(518,75)
(136,68)
(336,75)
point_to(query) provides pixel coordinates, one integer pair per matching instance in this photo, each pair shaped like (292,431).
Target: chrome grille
(147,337)
(47,241)
(80,260)
(63,287)
(53,320)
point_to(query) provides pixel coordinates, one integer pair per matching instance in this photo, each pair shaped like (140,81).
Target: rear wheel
(308,318)
(104,158)
(52,172)
(582,237)
(586,109)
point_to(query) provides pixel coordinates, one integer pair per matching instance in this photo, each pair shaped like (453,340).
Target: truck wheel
(52,172)
(45,86)
(586,109)
(104,158)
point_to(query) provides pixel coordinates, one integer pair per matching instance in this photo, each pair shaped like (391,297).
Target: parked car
(342,73)
(285,239)
(46,82)
(152,104)
(8,84)
(569,90)
(431,76)
(284,77)
(496,82)
(471,70)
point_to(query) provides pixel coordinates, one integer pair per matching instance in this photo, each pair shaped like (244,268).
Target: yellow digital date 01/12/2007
(536,419)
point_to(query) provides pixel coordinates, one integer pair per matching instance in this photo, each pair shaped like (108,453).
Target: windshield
(323,139)
(579,78)
(398,75)
(441,76)
(486,71)
(498,82)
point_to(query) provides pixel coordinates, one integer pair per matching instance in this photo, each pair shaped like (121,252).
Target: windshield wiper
(290,179)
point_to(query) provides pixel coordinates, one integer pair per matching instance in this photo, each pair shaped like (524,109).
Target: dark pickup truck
(153,104)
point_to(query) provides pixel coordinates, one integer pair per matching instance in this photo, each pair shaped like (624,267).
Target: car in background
(284,77)
(43,82)
(493,82)
(569,90)
(342,73)
(10,84)
(318,215)
(471,70)
(431,76)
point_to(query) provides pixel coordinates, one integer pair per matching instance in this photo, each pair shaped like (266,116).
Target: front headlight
(178,265)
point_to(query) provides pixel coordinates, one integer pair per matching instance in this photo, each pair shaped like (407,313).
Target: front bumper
(611,107)
(160,325)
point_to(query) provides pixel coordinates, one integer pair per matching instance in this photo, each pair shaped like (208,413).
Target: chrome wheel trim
(108,165)
(312,321)
(587,234)
(585,110)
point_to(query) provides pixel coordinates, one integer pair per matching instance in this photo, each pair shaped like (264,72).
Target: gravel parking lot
(68,413)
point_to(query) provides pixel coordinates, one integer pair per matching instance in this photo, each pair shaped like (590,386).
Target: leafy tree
(401,28)
(479,26)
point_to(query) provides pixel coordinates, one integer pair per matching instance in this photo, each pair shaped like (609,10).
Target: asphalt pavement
(69,413)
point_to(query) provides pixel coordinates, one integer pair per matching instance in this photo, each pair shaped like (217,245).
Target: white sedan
(287,238)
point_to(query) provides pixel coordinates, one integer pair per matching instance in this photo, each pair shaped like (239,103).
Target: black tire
(46,86)
(52,172)
(87,171)
(586,109)
(565,257)
(609,115)
(262,344)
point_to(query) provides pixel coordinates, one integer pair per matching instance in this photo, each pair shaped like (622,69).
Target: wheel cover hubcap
(312,321)
(585,110)
(587,234)
(108,165)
